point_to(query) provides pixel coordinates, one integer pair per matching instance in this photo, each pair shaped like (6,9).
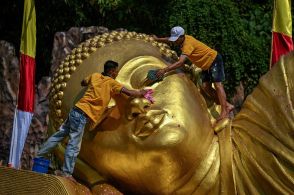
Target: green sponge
(152,78)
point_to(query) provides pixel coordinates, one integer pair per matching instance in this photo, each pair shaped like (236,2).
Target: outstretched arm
(162,40)
(134,93)
(171,67)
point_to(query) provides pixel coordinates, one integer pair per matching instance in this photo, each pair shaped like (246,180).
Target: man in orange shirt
(203,57)
(100,88)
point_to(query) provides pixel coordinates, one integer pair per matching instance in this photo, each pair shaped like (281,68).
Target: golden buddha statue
(170,147)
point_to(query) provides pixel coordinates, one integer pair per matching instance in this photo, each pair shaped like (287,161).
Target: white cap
(175,33)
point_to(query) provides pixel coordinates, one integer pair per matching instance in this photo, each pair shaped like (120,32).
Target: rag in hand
(149,96)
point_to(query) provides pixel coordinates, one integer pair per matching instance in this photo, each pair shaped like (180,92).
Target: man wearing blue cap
(203,57)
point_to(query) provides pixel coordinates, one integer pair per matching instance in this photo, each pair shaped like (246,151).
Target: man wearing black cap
(203,57)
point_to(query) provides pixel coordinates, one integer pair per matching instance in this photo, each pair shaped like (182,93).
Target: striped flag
(282,41)
(25,104)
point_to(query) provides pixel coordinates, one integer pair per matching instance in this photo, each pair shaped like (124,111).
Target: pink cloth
(149,96)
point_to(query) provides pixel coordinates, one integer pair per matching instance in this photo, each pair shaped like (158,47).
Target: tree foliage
(241,36)
(239,29)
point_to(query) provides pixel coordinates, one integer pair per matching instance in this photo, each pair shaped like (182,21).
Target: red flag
(282,41)
(25,105)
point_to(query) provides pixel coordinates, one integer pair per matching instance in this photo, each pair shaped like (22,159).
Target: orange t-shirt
(198,53)
(97,96)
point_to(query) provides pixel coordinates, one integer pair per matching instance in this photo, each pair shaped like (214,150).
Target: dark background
(239,29)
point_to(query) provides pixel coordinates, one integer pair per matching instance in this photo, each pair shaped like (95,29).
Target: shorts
(216,72)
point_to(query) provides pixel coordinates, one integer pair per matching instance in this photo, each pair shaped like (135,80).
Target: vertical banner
(282,41)
(25,104)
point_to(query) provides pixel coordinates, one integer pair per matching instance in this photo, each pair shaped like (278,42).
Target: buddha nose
(138,106)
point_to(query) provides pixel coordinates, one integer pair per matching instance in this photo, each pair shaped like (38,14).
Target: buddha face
(156,144)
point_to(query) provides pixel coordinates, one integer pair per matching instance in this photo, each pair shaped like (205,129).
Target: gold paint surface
(22,182)
(153,140)
(263,136)
(169,147)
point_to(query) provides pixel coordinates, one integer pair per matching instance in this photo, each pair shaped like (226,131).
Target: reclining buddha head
(138,144)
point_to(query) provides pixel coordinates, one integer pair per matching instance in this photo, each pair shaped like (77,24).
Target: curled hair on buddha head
(109,64)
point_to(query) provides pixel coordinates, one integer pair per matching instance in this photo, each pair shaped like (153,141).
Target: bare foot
(230,108)
(9,165)
(71,178)
(65,175)
(223,115)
